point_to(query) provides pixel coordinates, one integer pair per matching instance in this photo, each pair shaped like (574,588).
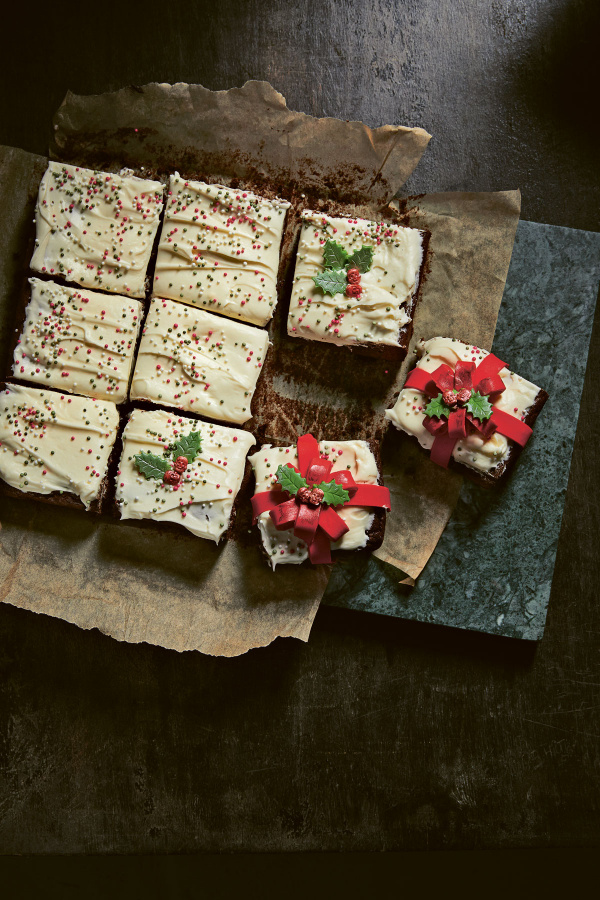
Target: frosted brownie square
(463,404)
(219,249)
(176,469)
(96,229)
(355,283)
(78,341)
(51,443)
(198,362)
(365,524)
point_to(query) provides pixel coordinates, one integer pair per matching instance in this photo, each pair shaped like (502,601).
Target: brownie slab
(202,499)
(51,442)
(96,229)
(198,362)
(78,341)
(488,456)
(219,249)
(355,282)
(366,525)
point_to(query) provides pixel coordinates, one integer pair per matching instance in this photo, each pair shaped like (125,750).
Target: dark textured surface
(379,733)
(492,569)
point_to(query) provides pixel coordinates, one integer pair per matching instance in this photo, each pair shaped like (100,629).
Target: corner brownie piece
(181,470)
(78,341)
(463,404)
(198,362)
(96,229)
(51,443)
(356,283)
(366,525)
(219,249)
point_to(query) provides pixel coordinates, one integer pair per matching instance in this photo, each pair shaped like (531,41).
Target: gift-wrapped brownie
(316,497)
(465,406)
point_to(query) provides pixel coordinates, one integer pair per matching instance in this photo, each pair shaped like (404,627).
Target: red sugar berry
(171,477)
(353,276)
(180,464)
(303,494)
(450,398)
(316,497)
(353,290)
(463,396)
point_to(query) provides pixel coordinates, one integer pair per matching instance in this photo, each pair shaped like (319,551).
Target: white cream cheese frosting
(380,312)
(219,249)
(352,456)
(96,229)
(203,501)
(408,412)
(52,442)
(198,362)
(78,341)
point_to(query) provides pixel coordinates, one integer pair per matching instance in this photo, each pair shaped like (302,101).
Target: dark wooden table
(378,734)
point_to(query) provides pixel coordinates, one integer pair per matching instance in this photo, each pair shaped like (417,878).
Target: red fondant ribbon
(319,525)
(485,379)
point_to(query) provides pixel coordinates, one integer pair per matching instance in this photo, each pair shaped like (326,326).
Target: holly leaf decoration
(189,446)
(437,407)
(290,480)
(334,255)
(331,281)
(335,494)
(361,259)
(150,465)
(479,406)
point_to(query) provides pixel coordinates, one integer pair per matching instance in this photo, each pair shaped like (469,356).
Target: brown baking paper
(471,244)
(164,586)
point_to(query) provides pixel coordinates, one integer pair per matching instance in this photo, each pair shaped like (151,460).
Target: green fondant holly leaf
(290,480)
(331,281)
(361,259)
(335,494)
(189,446)
(334,255)
(150,465)
(437,407)
(479,406)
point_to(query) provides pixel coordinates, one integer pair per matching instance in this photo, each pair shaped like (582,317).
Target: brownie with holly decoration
(174,469)
(318,497)
(466,407)
(56,447)
(356,283)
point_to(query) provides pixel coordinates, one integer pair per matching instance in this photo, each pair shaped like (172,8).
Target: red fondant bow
(466,377)
(316,525)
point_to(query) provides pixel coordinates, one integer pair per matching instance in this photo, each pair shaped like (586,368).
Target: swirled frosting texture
(408,412)
(51,442)
(380,312)
(203,501)
(96,229)
(78,341)
(198,362)
(219,249)
(352,456)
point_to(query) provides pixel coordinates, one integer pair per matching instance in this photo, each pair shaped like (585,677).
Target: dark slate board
(492,569)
